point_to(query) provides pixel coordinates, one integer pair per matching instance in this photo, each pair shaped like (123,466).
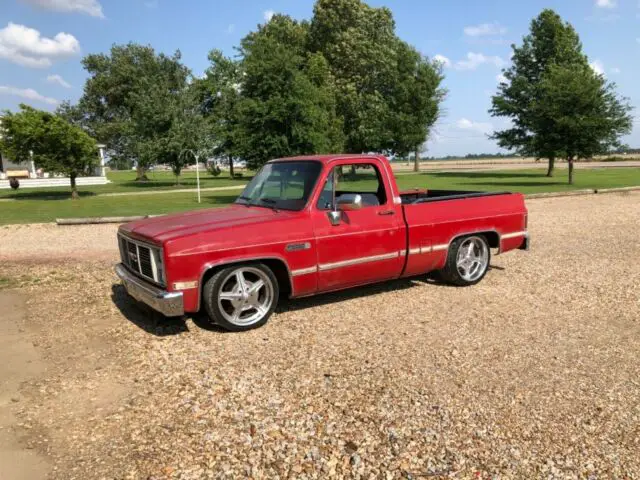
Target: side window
(361,178)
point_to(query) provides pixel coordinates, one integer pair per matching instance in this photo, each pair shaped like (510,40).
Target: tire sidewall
(212,289)
(452,260)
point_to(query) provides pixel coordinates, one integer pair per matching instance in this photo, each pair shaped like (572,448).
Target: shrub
(14,183)
(214,169)
(237,175)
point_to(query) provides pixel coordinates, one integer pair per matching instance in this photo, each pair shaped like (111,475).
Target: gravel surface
(533,373)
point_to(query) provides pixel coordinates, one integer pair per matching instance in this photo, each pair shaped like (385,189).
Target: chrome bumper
(169,304)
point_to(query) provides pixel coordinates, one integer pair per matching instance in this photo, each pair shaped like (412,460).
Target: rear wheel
(241,297)
(467,261)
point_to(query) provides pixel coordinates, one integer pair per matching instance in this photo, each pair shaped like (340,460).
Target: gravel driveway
(533,373)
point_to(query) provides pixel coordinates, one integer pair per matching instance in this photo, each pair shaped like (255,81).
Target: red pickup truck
(309,225)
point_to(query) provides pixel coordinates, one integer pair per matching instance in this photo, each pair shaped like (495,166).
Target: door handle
(386,212)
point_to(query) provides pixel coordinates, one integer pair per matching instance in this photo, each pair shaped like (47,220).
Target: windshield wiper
(269,201)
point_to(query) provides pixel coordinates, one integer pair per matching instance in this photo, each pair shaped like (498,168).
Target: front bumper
(526,242)
(170,304)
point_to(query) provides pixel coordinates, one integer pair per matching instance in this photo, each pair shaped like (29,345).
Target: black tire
(451,273)
(219,314)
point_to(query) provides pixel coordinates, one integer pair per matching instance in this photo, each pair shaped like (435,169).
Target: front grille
(142,259)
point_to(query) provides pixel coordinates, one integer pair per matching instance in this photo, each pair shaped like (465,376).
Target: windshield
(282,185)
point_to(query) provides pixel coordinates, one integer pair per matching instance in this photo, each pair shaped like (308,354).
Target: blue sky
(42,42)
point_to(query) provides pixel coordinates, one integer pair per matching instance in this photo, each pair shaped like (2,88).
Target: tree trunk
(141,174)
(416,162)
(570,160)
(231,174)
(74,188)
(552,161)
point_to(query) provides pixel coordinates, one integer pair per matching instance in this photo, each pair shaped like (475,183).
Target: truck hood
(168,227)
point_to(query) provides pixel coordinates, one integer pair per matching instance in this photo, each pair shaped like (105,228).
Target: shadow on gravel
(287,305)
(157,324)
(144,317)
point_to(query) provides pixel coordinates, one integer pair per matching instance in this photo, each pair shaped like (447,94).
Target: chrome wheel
(246,296)
(472,259)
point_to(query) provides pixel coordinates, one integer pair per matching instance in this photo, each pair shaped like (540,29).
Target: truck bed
(425,196)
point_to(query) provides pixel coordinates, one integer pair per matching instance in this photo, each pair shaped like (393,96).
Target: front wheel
(241,297)
(467,260)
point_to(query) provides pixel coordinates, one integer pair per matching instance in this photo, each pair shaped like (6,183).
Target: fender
(241,259)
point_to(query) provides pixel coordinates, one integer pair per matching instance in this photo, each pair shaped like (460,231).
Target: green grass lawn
(124,181)
(34,209)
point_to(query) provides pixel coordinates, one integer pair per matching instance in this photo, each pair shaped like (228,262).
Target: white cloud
(485,29)
(605,3)
(28,93)
(268,14)
(89,7)
(474,60)
(597,67)
(481,127)
(57,79)
(500,78)
(231,28)
(25,46)
(442,60)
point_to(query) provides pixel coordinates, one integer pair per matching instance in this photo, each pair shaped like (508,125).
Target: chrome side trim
(304,271)
(414,251)
(513,235)
(358,261)
(436,248)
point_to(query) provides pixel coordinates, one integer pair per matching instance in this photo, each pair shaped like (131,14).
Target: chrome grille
(142,259)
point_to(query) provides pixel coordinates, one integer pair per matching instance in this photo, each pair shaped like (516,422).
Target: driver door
(367,244)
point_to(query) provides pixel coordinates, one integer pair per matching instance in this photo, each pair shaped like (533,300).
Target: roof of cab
(328,158)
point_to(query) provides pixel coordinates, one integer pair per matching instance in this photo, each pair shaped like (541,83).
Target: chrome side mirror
(334,217)
(349,201)
(346,203)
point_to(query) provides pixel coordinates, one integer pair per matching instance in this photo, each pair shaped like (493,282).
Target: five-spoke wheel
(241,297)
(467,260)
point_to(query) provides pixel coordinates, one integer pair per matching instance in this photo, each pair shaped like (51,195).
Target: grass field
(124,181)
(30,207)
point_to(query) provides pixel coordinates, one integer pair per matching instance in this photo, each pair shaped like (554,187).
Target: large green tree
(579,113)
(288,101)
(220,93)
(415,104)
(551,41)
(189,138)
(128,101)
(388,94)
(50,141)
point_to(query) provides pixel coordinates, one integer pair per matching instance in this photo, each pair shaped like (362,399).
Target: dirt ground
(533,373)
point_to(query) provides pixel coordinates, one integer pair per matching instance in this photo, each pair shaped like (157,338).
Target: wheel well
(492,237)
(278,268)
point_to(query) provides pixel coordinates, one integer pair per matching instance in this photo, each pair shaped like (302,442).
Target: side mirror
(349,201)
(346,203)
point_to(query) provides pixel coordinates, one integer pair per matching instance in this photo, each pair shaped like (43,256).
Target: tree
(359,44)
(127,101)
(415,105)
(388,94)
(288,104)
(550,42)
(189,135)
(50,141)
(579,113)
(220,93)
